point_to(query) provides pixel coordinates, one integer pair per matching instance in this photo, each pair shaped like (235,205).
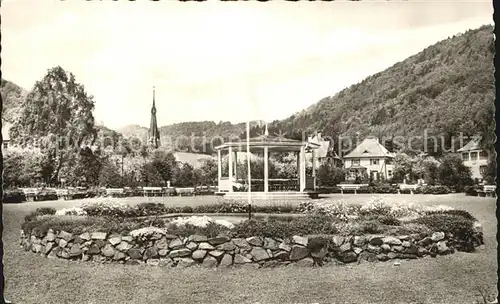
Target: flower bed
(328,232)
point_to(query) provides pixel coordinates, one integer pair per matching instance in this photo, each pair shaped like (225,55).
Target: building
(153,133)
(474,157)
(370,159)
(325,153)
(5,136)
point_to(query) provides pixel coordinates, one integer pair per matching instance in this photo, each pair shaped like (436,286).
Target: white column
(236,165)
(266,169)
(298,169)
(302,159)
(230,169)
(314,168)
(219,168)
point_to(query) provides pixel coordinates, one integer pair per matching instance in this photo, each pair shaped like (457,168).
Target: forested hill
(447,88)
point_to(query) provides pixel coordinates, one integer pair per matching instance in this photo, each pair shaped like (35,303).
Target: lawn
(446,279)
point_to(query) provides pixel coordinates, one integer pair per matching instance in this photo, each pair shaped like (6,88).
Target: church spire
(154,133)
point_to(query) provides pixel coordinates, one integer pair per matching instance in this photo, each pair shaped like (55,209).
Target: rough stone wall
(160,249)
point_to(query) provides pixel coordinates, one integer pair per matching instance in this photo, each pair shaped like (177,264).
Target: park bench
(185,191)
(412,188)
(354,187)
(490,190)
(152,191)
(115,192)
(30,193)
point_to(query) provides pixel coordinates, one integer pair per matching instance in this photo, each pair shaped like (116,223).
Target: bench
(114,192)
(489,190)
(412,188)
(185,191)
(354,187)
(152,191)
(30,193)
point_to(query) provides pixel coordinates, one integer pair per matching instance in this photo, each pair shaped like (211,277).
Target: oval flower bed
(329,232)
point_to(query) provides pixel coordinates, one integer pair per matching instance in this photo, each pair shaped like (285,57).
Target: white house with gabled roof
(474,157)
(369,157)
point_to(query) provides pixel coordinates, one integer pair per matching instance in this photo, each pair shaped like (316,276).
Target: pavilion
(263,187)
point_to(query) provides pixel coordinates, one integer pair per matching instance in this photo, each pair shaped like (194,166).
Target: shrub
(13,196)
(39,212)
(472,190)
(462,213)
(435,190)
(46,195)
(210,230)
(461,227)
(383,189)
(388,220)
(144,209)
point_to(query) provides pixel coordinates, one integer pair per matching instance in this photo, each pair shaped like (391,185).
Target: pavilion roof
(273,142)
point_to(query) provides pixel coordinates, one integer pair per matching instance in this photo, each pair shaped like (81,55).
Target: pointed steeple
(154,133)
(266,133)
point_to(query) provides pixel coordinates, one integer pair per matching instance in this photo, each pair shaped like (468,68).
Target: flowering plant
(72,211)
(200,221)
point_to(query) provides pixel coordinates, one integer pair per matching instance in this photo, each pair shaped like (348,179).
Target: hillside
(445,89)
(135,131)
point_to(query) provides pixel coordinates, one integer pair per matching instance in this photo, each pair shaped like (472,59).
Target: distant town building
(475,158)
(369,157)
(5,136)
(325,153)
(153,133)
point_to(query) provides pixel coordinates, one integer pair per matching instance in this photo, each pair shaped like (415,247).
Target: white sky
(206,59)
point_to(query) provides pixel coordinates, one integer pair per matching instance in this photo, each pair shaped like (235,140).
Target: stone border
(154,246)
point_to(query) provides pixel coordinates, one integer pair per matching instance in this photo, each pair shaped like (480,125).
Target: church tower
(154,133)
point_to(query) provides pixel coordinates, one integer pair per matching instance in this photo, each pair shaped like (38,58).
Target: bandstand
(302,186)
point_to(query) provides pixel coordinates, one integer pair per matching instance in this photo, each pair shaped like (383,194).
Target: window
(389,173)
(355,162)
(5,145)
(482,170)
(465,156)
(483,155)
(374,161)
(473,156)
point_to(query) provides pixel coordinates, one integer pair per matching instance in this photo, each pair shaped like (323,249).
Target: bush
(39,212)
(462,213)
(384,189)
(435,190)
(472,190)
(328,190)
(144,209)
(46,195)
(13,196)
(461,227)
(388,220)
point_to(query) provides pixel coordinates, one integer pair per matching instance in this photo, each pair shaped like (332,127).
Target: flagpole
(249,175)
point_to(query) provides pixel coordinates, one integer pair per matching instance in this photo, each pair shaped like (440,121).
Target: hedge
(13,196)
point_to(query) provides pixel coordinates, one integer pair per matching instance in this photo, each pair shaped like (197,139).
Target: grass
(31,278)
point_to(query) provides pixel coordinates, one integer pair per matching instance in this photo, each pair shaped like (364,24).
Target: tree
(109,176)
(185,176)
(328,175)
(453,173)
(150,176)
(57,114)
(402,167)
(490,173)
(165,164)
(207,173)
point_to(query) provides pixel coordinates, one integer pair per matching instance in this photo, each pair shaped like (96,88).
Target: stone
(392,255)
(227,260)
(407,256)
(337,240)
(397,263)
(241,243)
(150,253)
(163,252)
(85,257)
(65,236)
(437,236)
(115,240)
(108,251)
(165,262)
(62,243)
(153,262)
(54,253)
(425,241)
(298,252)
(94,249)
(185,262)
(197,238)
(282,255)
(229,246)
(123,246)
(357,250)
(156,236)
(269,252)
(36,248)
(412,249)
(367,256)
(191,246)
(239,259)
(170,236)
(48,247)
(320,254)
(132,262)
(162,243)
(382,257)
(345,247)
(85,236)
(398,248)
(127,238)
(404,237)
(209,262)
(199,254)
(307,262)
(119,256)
(359,241)
(376,241)
(77,240)
(348,257)
(271,244)
(100,243)
(270,264)
(65,254)
(374,249)
(216,253)
(50,237)
(442,248)
(255,241)
(219,240)
(98,235)
(205,246)
(421,251)
(300,240)
(135,254)
(259,254)
(178,253)
(385,247)
(406,244)
(392,240)
(285,247)
(75,250)
(176,244)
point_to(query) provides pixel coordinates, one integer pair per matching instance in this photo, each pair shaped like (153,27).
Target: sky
(219,60)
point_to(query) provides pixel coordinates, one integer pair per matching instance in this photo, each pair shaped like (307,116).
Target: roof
(471,145)
(324,145)
(370,147)
(272,142)
(193,159)
(356,167)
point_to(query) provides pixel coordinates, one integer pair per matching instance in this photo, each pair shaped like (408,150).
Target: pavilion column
(302,171)
(231,169)
(314,169)
(298,169)
(266,169)
(219,169)
(236,165)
